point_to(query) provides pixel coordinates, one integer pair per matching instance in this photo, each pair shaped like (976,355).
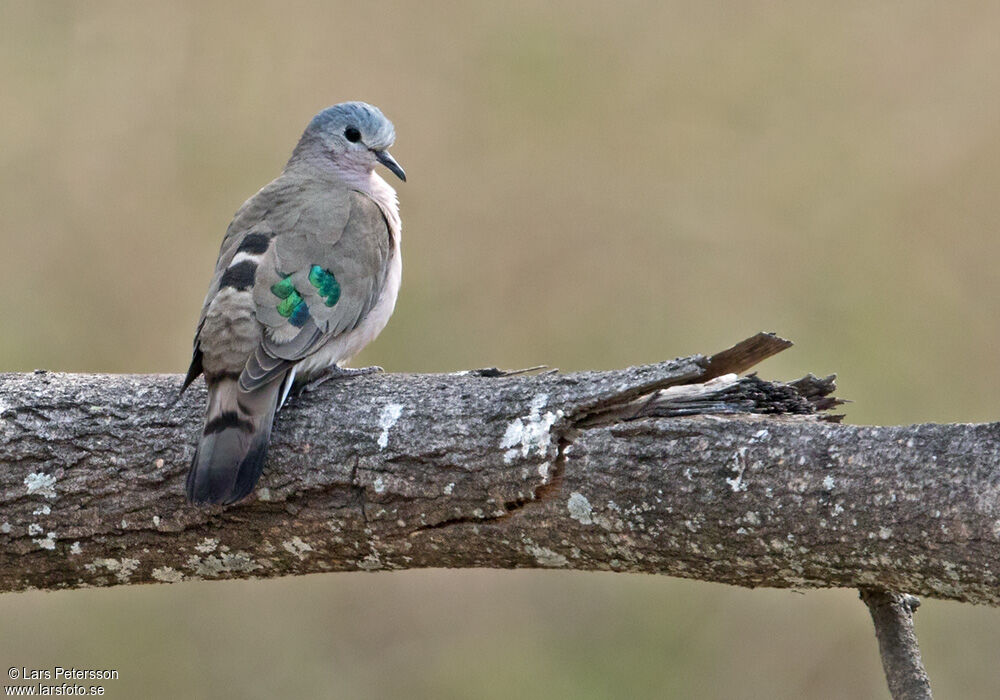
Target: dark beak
(388,161)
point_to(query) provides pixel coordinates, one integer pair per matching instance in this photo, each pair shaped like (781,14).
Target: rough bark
(675,468)
(892,615)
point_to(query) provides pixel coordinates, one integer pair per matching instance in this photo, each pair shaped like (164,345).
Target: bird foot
(336,372)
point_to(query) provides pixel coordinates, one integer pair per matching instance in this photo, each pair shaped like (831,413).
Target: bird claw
(497,372)
(336,372)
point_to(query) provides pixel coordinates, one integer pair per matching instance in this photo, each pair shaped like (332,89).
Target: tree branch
(892,614)
(677,468)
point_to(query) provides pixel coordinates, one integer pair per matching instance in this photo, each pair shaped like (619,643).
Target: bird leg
(336,372)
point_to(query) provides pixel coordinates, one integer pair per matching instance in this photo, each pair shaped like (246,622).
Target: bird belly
(343,347)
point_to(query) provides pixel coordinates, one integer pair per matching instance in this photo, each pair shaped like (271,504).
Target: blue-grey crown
(379,131)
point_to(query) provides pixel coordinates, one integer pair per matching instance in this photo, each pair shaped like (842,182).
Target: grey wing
(249,234)
(315,283)
(250,231)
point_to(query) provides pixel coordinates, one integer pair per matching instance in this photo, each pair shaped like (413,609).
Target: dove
(307,275)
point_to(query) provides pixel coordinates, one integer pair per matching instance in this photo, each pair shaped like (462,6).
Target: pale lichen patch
(530,433)
(48,542)
(207,545)
(168,575)
(297,547)
(777,545)
(545,556)
(212,565)
(43,509)
(828,482)
(41,483)
(390,414)
(544,471)
(379,484)
(122,568)
(35,529)
(75,549)
(579,508)
(238,561)
(606,524)
(5,528)
(738,467)
(372,562)
(449,488)
(209,567)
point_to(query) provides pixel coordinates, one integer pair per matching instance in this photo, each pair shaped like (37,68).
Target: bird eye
(352,134)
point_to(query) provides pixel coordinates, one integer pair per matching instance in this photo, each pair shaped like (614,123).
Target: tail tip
(210,483)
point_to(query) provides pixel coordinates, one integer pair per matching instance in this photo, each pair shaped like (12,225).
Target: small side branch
(892,614)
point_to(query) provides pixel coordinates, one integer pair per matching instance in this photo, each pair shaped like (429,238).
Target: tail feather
(233,446)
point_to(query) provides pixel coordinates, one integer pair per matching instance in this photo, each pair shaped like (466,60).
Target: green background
(592,185)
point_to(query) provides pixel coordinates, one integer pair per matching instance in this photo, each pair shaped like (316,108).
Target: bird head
(352,136)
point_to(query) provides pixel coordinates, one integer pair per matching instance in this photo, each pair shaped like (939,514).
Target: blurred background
(592,185)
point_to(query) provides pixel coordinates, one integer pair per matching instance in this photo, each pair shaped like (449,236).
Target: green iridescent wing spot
(288,304)
(284,289)
(292,306)
(325,283)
